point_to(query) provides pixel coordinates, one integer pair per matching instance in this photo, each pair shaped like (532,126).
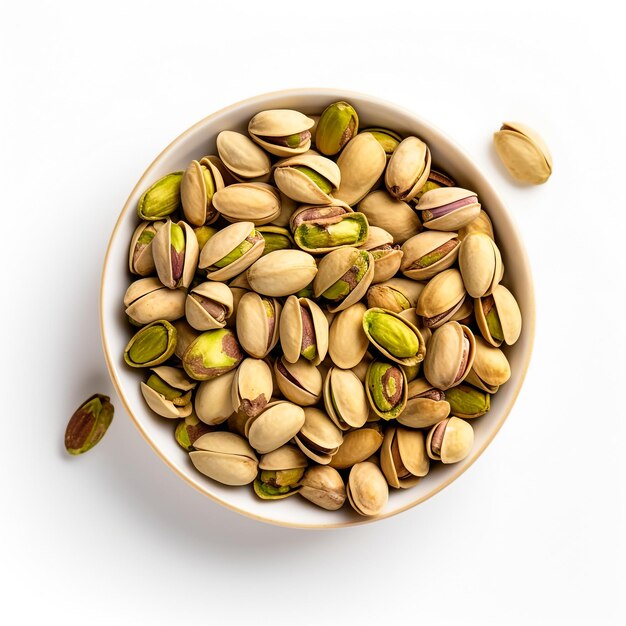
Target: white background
(533,533)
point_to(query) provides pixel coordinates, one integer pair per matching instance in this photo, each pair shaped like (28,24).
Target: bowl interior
(199,141)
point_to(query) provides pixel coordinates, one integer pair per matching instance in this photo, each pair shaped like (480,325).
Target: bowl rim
(529,321)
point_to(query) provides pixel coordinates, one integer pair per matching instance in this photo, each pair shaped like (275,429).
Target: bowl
(200,140)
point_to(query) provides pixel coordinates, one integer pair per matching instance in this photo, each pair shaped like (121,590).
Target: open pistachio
(307,178)
(523,152)
(441,298)
(148,300)
(168,392)
(490,368)
(318,438)
(303,331)
(435,181)
(151,345)
(499,317)
(275,426)
(396,295)
(252,387)
(390,214)
(337,125)
(213,401)
(450,441)
(188,430)
(426,405)
(242,157)
(258,203)
(408,169)
(161,199)
(258,323)
(227,176)
(212,354)
(448,208)
(345,399)
(367,489)
(199,183)
(140,259)
(282,273)
(88,424)
(175,251)
(428,253)
(225,457)
(467,401)
(357,446)
(388,139)
(480,263)
(281,472)
(387,256)
(209,305)
(282,132)
(300,382)
(482,224)
(403,457)
(322,485)
(386,389)
(276,238)
(348,342)
(450,355)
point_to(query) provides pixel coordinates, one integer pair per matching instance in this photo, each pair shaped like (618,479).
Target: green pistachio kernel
(494,325)
(177,237)
(323,183)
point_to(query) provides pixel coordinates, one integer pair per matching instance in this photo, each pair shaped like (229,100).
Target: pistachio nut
(395,294)
(231,251)
(482,224)
(428,253)
(390,214)
(344,399)
(252,387)
(435,181)
(188,430)
(403,457)
(499,317)
(426,405)
(212,354)
(337,125)
(242,157)
(393,336)
(209,305)
(490,368)
(465,313)
(388,139)
(151,345)
(523,152)
(258,203)
(227,176)
(200,182)
(281,472)
(303,331)
(467,401)
(175,251)
(323,486)
(257,323)
(275,426)
(386,389)
(213,401)
(88,424)
(185,334)
(161,198)
(225,457)
(140,259)
(441,298)
(276,238)
(343,277)
(300,382)
(203,234)
(148,300)
(387,256)
(282,132)
(168,392)
(307,178)
(357,446)
(408,169)
(282,273)
(318,438)
(450,355)
(448,208)
(238,289)
(450,441)
(480,263)
(348,342)
(361,164)
(367,489)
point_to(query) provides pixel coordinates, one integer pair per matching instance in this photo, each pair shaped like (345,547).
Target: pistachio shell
(367,489)
(490,368)
(147,300)
(252,387)
(300,187)
(381,387)
(176,379)
(151,345)
(408,168)
(345,399)
(185,335)
(480,263)
(196,195)
(282,273)
(395,294)
(357,446)
(482,224)
(217,299)
(322,485)
(394,216)
(347,340)
(227,176)
(448,208)
(509,316)
(303,330)
(163,252)
(283,458)
(275,426)
(242,156)
(140,258)
(441,297)
(423,409)
(281,123)
(318,438)
(258,203)
(403,457)
(300,382)
(258,320)
(457,441)
(321,229)
(213,401)
(428,253)
(450,355)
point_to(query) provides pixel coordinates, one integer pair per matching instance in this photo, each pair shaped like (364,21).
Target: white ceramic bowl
(199,140)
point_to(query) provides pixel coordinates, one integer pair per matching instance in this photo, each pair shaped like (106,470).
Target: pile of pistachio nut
(320,311)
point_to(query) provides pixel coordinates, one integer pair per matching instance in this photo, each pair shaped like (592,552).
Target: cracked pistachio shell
(428,253)
(282,132)
(361,163)
(403,457)
(276,238)
(468,402)
(450,355)
(284,458)
(376,238)
(318,438)
(258,203)
(209,305)
(140,259)
(148,300)
(490,368)
(275,426)
(185,335)
(282,273)
(161,198)
(175,251)
(482,224)
(242,157)
(225,457)
(252,387)
(300,382)
(448,208)
(388,139)
(360,369)
(450,441)
(465,313)
(394,216)
(151,345)
(348,342)
(425,406)
(323,486)
(213,402)
(172,382)
(231,251)
(343,277)
(480,263)
(408,169)
(258,319)
(303,331)
(357,446)
(386,389)
(188,430)
(435,180)
(212,354)
(394,336)
(442,296)
(200,182)
(523,152)
(337,125)
(499,317)
(227,177)
(344,399)
(395,294)
(367,489)
(287,208)
(387,256)
(307,178)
